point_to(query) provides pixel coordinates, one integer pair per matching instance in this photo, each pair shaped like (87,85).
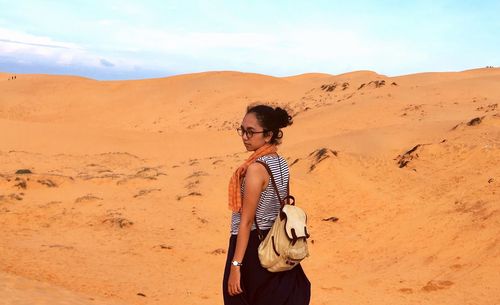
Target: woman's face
(258,139)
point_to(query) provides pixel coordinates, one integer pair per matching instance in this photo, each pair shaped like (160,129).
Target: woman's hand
(233,283)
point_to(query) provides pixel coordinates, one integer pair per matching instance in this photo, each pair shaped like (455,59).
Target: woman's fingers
(234,289)
(233,284)
(238,289)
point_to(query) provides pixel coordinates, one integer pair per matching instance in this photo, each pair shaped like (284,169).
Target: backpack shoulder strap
(261,237)
(272,180)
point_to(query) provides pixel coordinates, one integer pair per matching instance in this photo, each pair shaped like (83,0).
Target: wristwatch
(236,263)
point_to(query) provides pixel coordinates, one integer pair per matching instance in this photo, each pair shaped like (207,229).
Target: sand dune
(19,291)
(114,192)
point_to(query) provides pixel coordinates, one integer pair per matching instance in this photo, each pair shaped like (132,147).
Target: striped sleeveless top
(268,206)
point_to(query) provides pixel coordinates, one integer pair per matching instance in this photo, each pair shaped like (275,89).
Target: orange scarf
(235,182)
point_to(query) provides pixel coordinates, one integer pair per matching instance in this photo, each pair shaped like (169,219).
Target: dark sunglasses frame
(241,131)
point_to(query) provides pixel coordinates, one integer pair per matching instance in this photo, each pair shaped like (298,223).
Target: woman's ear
(268,136)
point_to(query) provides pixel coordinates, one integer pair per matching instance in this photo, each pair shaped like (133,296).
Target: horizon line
(242,72)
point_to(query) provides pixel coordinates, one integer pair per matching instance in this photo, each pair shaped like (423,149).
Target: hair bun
(283,119)
(272,120)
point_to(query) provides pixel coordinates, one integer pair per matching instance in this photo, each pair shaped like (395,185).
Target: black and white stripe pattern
(269,206)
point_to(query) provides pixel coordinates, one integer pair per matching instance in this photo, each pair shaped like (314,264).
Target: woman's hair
(272,120)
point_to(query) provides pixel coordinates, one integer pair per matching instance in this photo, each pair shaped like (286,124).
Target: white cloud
(22,39)
(25,48)
(280,52)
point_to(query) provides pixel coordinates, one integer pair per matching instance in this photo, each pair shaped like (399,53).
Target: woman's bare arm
(255,180)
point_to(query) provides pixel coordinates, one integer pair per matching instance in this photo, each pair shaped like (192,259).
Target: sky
(108,39)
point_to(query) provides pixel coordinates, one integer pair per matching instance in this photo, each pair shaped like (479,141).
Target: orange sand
(127,200)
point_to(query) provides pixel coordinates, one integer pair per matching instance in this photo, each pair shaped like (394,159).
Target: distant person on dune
(252,196)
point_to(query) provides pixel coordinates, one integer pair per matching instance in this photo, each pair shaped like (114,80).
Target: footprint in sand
(115,220)
(218,251)
(47,182)
(12,196)
(145,192)
(202,220)
(164,246)
(21,184)
(192,185)
(406,290)
(180,197)
(294,162)
(197,174)
(437,285)
(148,173)
(331,219)
(87,198)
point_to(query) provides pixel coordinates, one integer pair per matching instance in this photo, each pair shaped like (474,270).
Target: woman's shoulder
(274,161)
(271,158)
(255,170)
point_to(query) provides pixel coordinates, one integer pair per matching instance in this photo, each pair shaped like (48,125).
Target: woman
(252,196)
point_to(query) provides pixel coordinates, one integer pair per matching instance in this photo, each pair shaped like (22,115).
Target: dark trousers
(261,287)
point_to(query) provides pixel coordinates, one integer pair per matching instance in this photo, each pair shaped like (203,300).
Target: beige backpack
(285,246)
